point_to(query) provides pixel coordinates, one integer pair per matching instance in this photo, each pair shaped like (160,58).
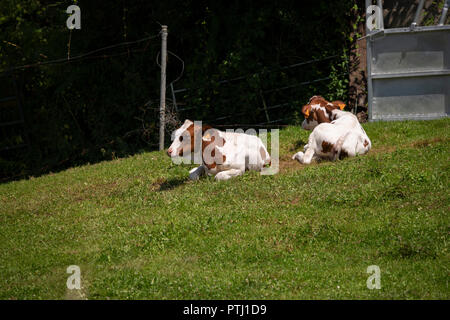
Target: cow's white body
(236,153)
(342,137)
(243,151)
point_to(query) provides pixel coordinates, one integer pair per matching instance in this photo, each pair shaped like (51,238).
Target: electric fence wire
(79,57)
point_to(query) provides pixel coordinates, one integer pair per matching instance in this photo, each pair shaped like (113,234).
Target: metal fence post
(369,65)
(380,23)
(418,11)
(444,12)
(162,106)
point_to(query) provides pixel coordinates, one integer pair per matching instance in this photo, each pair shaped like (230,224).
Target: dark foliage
(105,104)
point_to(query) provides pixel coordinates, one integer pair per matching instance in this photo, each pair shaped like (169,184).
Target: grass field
(138,229)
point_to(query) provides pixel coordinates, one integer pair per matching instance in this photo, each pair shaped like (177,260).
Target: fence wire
(270,121)
(79,57)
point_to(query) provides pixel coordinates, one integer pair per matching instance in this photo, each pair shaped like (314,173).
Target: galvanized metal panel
(411,98)
(409,74)
(411,52)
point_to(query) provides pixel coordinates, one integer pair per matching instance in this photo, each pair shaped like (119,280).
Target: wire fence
(19,143)
(174,111)
(274,99)
(81,56)
(279,119)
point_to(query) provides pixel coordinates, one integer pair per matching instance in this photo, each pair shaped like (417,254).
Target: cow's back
(244,150)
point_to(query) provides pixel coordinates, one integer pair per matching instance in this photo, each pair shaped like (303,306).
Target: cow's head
(319,110)
(183,138)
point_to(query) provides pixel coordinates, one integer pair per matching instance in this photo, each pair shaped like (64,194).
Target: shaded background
(235,63)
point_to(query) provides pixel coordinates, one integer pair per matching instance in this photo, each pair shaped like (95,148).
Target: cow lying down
(337,136)
(323,114)
(222,154)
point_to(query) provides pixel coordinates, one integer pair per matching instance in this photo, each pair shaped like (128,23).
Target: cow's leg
(225,175)
(349,147)
(363,145)
(196,173)
(308,156)
(298,156)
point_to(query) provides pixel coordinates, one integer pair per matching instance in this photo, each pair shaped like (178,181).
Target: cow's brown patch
(333,106)
(218,157)
(318,100)
(306,110)
(211,166)
(192,130)
(320,116)
(327,147)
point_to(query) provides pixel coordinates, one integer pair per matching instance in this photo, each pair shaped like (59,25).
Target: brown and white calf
(323,112)
(222,154)
(336,139)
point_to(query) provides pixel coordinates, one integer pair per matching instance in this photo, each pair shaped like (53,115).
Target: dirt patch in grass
(427,142)
(287,164)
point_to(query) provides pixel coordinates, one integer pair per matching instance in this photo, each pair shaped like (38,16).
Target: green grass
(138,229)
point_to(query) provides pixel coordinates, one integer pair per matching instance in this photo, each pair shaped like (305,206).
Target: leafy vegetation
(138,229)
(105,105)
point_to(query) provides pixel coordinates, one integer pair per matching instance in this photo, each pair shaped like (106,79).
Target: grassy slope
(138,229)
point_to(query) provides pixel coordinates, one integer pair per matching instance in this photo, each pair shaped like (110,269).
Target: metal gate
(409,70)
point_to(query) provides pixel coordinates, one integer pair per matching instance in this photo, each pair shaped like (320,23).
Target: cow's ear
(306,109)
(339,104)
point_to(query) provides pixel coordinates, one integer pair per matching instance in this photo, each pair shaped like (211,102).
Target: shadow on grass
(297,145)
(163,184)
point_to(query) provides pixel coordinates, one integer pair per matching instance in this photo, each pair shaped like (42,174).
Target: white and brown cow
(323,113)
(342,137)
(222,154)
